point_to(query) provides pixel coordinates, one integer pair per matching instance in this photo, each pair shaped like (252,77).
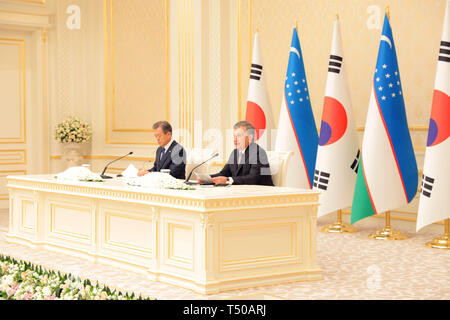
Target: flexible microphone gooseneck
(192,171)
(103,176)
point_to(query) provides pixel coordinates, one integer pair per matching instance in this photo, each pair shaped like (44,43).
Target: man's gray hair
(249,128)
(165,126)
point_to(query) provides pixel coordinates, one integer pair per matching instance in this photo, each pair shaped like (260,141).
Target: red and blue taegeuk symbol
(334,122)
(439,129)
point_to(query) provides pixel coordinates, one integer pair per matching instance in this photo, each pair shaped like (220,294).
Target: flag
(338,153)
(387,177)
(259,112)
(297,130)
(434,202)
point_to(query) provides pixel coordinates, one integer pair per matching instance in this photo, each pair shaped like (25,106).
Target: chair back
(195,156)
(279,161)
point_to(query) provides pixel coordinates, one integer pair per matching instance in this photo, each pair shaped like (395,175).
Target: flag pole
(387,233)
(444,241)
(339,226)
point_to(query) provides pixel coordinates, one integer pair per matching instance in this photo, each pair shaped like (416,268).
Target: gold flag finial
(257,30)
(296,25)
(337,16)
(388,13)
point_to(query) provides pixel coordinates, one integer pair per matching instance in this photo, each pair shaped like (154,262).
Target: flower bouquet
(72,129)
(79,174)
(21,280)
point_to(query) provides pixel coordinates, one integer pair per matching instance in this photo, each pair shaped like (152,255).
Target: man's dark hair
(249,128)
(165,126)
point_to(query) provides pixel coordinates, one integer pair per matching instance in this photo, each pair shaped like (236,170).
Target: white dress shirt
(166,147)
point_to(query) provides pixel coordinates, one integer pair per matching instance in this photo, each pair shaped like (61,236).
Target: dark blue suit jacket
(254,169)
(174,159)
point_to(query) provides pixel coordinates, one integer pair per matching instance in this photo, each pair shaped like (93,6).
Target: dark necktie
(162,153)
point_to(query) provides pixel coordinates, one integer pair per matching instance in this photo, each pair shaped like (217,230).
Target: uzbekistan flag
(338,154)
(297,130)
(387,177)
(435,192)
(259,112)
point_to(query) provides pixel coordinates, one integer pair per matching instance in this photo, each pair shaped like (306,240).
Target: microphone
(192,171)
(103,176)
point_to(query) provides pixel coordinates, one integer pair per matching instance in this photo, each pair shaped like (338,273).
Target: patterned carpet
(354,267)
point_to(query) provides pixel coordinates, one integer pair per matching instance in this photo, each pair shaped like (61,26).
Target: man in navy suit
(170,154)
(248,163)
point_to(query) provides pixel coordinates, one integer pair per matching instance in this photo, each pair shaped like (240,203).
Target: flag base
(442,242)
(439,243)
(339,227)
(388,234)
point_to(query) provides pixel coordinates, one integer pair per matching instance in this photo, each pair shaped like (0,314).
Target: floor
(354,267)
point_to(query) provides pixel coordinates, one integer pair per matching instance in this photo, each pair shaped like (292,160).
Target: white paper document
(203,177)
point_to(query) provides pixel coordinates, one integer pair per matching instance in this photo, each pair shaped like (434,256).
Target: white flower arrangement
(158,180)
(79,174)
(72,129)
(20,280)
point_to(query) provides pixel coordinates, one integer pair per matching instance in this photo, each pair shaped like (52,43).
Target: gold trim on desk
(98,190)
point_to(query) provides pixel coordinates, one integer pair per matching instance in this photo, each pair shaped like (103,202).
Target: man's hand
(142,172)
(219,180)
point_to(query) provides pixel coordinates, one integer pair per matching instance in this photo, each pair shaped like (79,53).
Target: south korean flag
(434,203)
(338,152)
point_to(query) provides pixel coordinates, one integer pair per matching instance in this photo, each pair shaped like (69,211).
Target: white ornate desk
(208,240)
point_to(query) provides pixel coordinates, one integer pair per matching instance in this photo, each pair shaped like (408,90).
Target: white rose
(9,279)
(47,291)
(4,286)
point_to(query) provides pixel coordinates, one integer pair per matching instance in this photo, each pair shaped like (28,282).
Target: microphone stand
(103,176)
(192,171)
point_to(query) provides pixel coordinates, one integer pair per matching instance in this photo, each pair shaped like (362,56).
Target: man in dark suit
(170,154)
(248,163)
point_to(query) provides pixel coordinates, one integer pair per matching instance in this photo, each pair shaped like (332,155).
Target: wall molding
(26,20)
(112,132)
(20,43)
